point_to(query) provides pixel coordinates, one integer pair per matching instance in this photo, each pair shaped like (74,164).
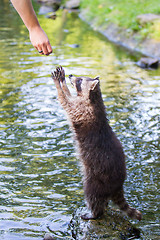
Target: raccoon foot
(90,216)
(137,215)
(133,213)
(87,216)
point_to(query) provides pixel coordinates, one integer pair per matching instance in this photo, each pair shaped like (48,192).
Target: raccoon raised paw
(61,73)
(56,75)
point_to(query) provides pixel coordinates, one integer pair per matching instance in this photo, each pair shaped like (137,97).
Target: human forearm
(37,36)
(26,12)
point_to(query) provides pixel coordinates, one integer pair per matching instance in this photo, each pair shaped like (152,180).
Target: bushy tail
(120,200)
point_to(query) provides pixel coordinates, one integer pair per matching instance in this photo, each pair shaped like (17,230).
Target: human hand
(40,40)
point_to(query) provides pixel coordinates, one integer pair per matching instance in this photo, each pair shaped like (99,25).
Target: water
(39,173)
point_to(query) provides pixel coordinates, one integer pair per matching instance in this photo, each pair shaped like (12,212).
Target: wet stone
(147,18)
(50,2)
(74,45)
(147,62)
(45,9)
(72,4)
(49,6)
(51,15)
(48,237)
(112,226)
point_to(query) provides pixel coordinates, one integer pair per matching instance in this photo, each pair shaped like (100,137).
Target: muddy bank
(120,36)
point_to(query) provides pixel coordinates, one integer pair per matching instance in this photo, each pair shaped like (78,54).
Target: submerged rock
(51,15)
(45,9)
(112,226)
(48,237)
(47,5)
(50,2)
(74,45)
(72,4)
(147,18)
(147,62)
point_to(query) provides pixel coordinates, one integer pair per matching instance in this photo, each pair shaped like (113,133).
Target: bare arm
(37,36)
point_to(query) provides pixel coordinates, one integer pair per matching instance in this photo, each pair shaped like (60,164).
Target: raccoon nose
(70,75)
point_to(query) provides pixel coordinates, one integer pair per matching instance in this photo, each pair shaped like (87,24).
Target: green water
(39,173)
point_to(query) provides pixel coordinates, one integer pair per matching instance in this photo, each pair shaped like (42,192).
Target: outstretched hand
(40,41)
(37,36)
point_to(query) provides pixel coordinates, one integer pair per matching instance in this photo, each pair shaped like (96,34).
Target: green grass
(123,13)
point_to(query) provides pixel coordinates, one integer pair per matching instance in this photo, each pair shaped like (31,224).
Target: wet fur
(100,151)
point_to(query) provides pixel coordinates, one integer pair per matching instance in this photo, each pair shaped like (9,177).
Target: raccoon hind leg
(120,200)
(96,206)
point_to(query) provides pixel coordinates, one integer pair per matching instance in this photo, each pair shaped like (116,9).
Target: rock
(74,45)
(147,18)
(112,226)
(72,4)
(52,15)
(147,62)
(45,9)
(50,2)
(54,4)
(48,237)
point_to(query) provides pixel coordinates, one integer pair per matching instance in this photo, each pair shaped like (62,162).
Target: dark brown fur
(100,151)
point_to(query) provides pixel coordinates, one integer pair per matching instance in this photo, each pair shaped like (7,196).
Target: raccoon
(100,151)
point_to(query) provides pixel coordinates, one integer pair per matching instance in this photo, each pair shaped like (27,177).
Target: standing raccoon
(100,151)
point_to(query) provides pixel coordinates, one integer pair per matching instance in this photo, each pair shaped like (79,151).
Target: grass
(123,13)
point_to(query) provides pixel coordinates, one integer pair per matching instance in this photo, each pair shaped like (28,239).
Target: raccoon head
(85,86)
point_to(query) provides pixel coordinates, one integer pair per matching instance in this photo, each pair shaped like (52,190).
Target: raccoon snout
(70,75)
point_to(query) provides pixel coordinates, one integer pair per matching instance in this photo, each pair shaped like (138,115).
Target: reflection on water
(39,174)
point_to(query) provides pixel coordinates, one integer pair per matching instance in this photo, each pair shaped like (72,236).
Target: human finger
(49,48)
(44,49)
(39,49)
(41,52)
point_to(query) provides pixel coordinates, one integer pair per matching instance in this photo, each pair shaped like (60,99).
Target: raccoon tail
(120,200)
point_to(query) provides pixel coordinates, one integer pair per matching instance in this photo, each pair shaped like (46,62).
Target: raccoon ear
(94,84)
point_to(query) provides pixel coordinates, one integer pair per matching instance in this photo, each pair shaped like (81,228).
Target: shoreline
(119,36)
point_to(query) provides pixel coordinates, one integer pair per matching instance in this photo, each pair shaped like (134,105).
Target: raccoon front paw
(56,75)
(61,74)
